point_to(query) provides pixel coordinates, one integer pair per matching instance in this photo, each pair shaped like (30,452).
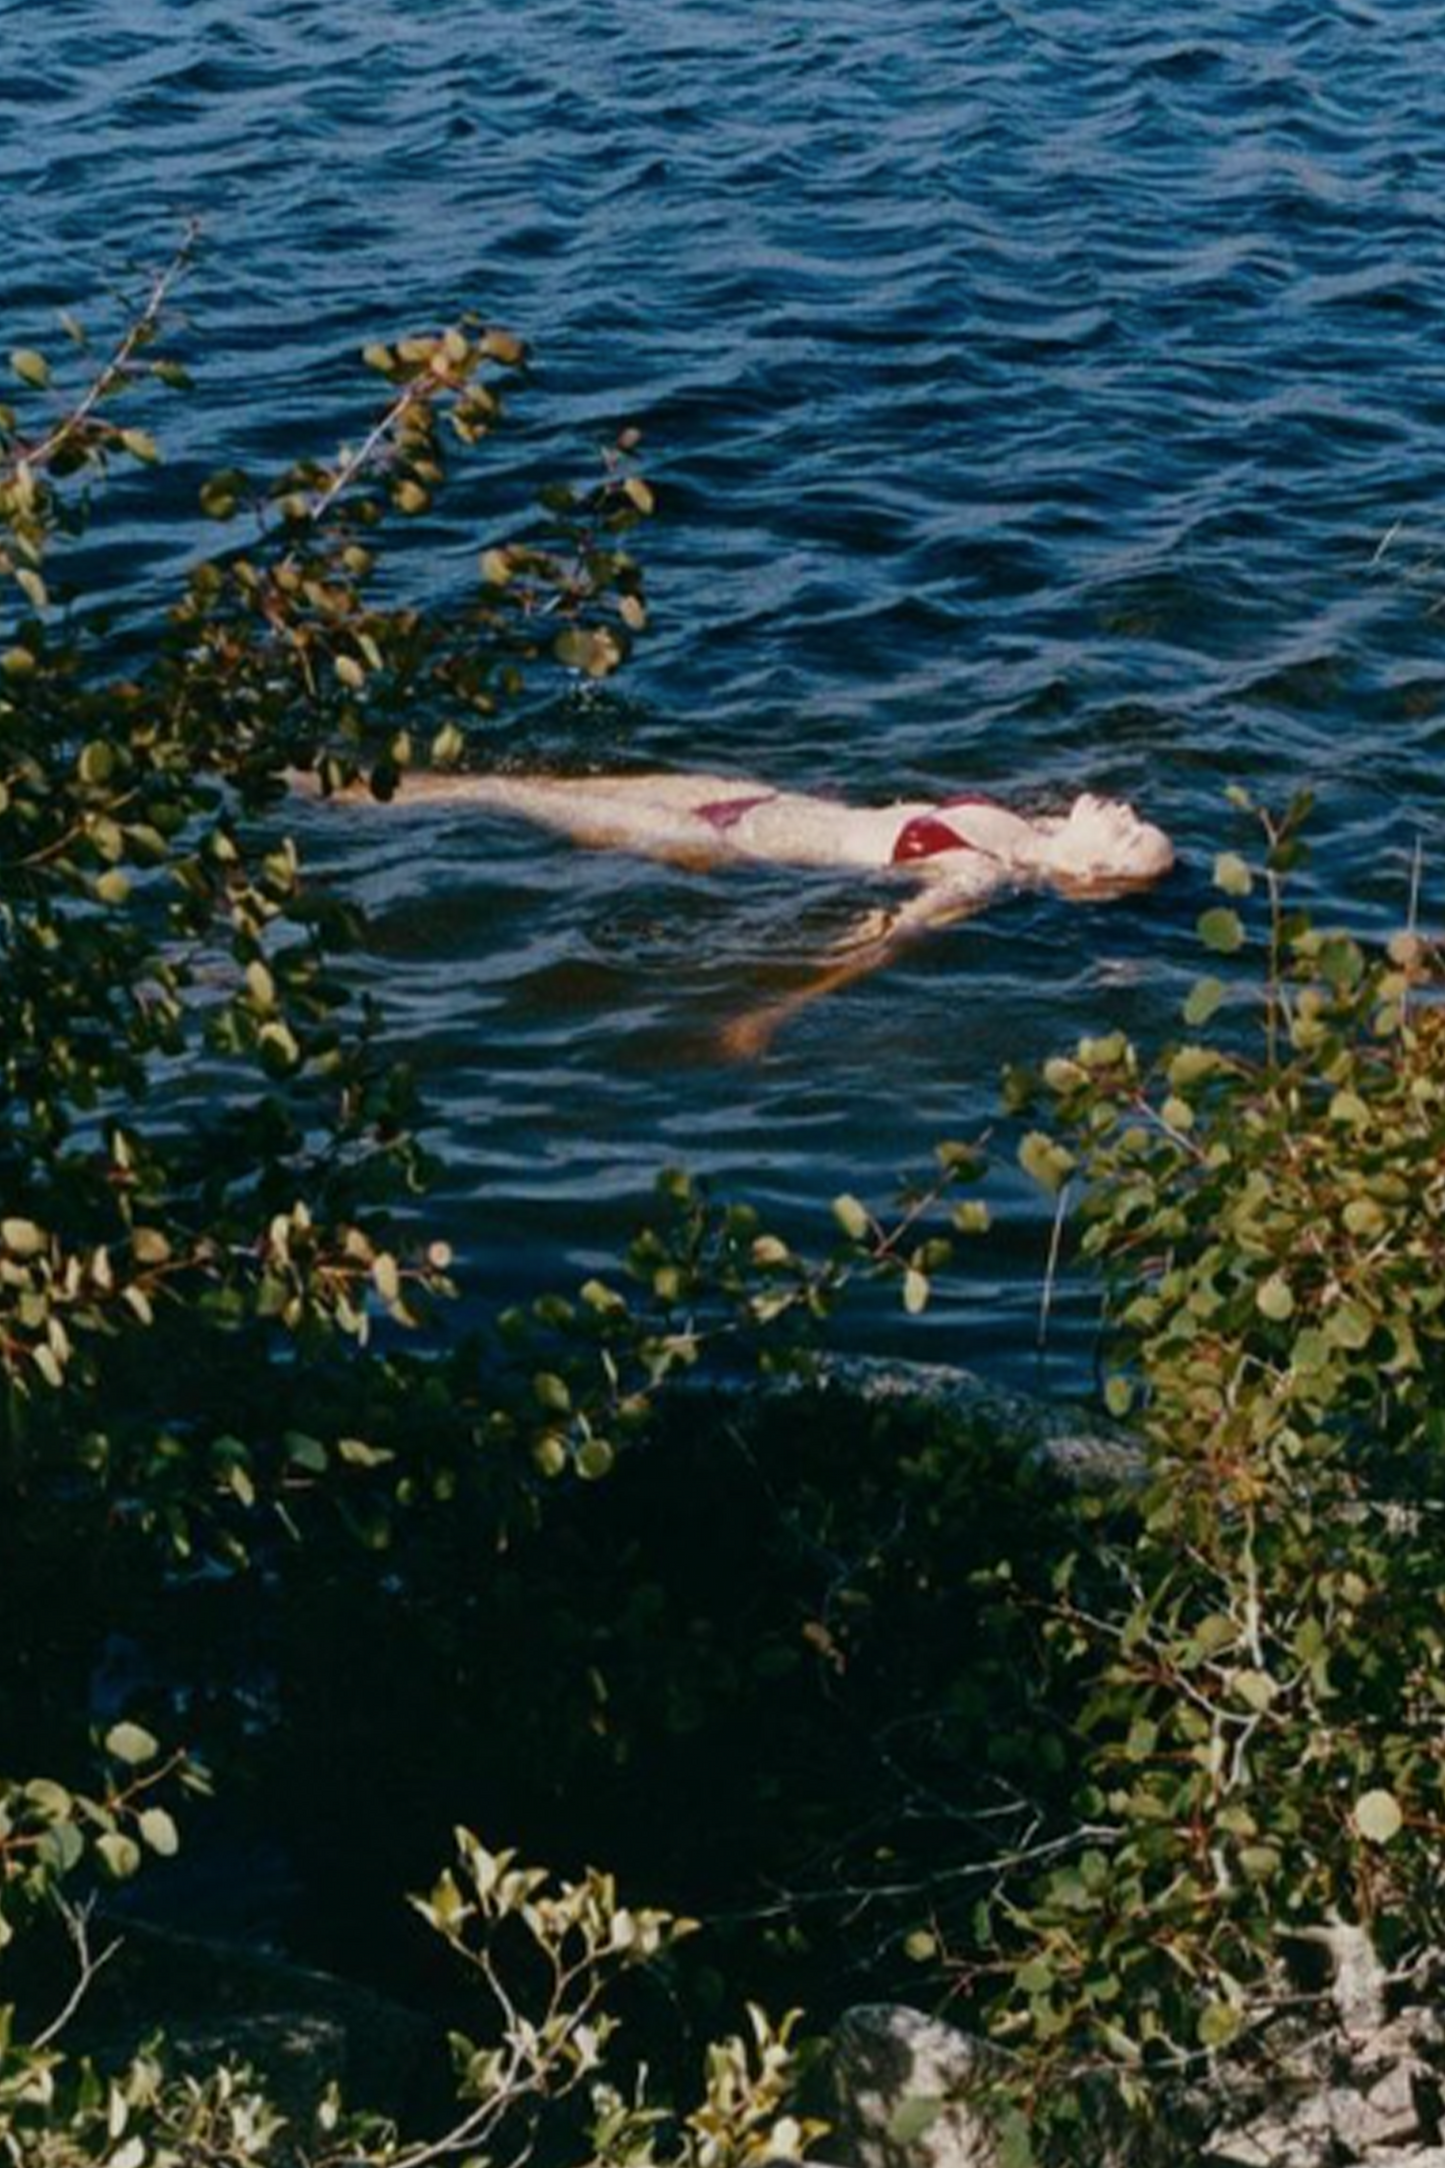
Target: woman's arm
(871,944)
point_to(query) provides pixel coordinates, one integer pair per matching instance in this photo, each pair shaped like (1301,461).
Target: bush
(1258,1766)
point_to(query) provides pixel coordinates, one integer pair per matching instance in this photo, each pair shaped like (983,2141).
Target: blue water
(1038,396)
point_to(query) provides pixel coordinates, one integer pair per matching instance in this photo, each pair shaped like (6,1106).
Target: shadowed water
(1038,396)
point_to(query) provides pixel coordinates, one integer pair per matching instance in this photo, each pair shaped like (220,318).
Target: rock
(905,2092)
(1370,2114)
(1391,2105)
(297,2054)
(1088,1453)
(300,2029)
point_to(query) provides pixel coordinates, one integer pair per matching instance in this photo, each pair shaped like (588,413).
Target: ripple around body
(1039,397)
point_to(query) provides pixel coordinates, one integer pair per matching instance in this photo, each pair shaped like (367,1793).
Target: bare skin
(878,937)
(956,854)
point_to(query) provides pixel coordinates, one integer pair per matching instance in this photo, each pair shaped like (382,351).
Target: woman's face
(1102,844)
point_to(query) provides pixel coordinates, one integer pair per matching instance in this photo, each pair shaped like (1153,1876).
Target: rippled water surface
(1039,396)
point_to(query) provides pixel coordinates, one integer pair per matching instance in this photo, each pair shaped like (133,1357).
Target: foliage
(204,1315)
(47,1830)
(545,2066)
(146,919)
(1258,1741)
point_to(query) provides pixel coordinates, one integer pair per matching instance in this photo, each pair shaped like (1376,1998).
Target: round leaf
(1219,2023)
(131,1743)
(852,1217)
(1275,1298)
(1204,999)
(1222,930)
(160,1833)
(1378,1817)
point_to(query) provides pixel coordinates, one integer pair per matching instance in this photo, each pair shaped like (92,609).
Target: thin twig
(1056,1238)
(77,1926)
(114,371)
(1412,916)
(415,393)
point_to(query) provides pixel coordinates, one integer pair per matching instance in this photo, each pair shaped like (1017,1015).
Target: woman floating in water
(958,851)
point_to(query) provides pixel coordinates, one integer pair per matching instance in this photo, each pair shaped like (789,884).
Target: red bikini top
(926,836)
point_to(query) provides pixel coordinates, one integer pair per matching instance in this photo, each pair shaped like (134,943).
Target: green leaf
(1311,1351)
(504,347)
(1274,1298)
(306,1453)
(852,1217)
(159,1831)
(595,1459)
(96,764)
(1049,1163)
(30,366)
(37,594)
(51,1798)
(358,1453)
(1204,998)
(1378,1817)
(1216,1632)
(61,1847)
(122,1855)
(1342,963)
(1142,1740)
(913,2116)
(1350,1326)
(1015,2145)
(1222,930)
(220,496)
(1219,2023)
(551,1392)
(132,1744)
(550,1454)
(915,1291)
(1232,875)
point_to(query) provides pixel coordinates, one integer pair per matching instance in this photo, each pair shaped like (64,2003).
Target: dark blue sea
(1038,396)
